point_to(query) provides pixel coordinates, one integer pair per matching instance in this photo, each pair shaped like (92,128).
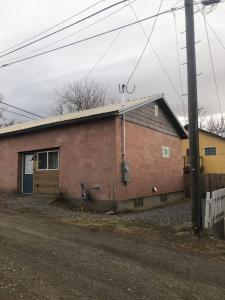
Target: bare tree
(216,125)
(81,95)
(1,112)
(212,123)
(4,121)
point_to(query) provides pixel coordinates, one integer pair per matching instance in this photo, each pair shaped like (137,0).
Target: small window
(187,152)
(210,151)
(42,161)
(165,151)
(53,160)
(48,160)
(156,110)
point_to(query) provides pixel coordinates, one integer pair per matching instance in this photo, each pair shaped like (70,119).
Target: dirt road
(46,258)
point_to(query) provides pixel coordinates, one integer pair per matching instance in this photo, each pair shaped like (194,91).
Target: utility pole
(195,180)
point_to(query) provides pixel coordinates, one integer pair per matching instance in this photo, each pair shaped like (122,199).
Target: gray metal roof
(94,113)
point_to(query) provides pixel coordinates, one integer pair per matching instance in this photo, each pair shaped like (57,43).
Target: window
(48,160)
(53,160)
(42,161)
(210,151)
(165,151)
(156,110)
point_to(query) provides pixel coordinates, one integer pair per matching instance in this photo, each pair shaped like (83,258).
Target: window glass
(165,151)
(210,151)
(53,160)
(28,164)
(42,161)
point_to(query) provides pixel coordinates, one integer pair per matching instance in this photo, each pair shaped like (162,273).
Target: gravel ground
(176,214)
(52,253)
(48,252)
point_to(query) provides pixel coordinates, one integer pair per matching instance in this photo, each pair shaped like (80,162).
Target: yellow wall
(211,163)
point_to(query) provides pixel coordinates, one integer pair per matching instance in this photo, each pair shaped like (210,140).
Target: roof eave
(61,123)
(182,129)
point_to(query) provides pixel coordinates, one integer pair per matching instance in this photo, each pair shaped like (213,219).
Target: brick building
(123,156)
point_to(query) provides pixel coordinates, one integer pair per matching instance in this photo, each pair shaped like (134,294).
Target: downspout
(124,166)
(124,129)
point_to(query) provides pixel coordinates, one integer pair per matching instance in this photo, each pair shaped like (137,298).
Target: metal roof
(88,114)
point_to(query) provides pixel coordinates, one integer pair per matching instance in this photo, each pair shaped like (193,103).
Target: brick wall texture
(91,153)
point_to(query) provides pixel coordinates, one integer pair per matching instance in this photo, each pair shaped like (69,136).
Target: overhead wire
(179,65)
(98,61)
(212,65)
(21,109)
(74,33)
(146,45)
(103,55)
(52,27)
(94,67)
(16,113)
(64,28)
(89,38)
(158,57)
(215,34)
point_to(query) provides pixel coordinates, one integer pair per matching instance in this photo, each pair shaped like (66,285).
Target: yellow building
(212,152)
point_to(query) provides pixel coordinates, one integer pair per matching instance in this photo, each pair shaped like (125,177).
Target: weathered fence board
(215,207)
(210,183)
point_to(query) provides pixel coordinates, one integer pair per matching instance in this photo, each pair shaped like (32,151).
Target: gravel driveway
(177,214)
(51,253)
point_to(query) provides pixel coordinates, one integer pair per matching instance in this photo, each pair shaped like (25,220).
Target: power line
(68,36)
(52,27)
(212,65)
(15,113)
(216,35)
(103,55)
(90,38)
(64,28)
(157,56)
(146,45)
(21,109)
(94,67)
(179,65)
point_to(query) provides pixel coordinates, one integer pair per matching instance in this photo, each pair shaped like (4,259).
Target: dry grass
(175,237)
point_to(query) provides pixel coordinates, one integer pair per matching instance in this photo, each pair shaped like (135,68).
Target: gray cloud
(30,84)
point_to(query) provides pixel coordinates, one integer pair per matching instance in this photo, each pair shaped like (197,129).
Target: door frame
(22,171)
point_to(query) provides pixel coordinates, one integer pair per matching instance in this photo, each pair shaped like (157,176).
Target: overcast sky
(31,84)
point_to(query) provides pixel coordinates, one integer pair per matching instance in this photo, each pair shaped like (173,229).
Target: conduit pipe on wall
(124,127)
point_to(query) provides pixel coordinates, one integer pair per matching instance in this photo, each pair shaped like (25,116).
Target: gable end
(163,121)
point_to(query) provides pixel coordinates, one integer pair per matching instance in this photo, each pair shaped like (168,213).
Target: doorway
(28,174)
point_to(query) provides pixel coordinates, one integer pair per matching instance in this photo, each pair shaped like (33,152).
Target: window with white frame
(48,160)
(165,151)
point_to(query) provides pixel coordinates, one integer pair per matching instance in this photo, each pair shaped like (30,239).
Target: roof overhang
(59,124)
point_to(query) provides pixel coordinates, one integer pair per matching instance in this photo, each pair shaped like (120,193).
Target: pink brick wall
(87,154)
(147,166)
(91,153)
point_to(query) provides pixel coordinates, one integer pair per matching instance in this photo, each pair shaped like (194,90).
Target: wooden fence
(215,208)
(210,183)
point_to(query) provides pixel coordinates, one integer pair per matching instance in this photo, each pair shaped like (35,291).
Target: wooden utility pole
(195,180)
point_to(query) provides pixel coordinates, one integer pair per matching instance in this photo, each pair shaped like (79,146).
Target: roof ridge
(102,111)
